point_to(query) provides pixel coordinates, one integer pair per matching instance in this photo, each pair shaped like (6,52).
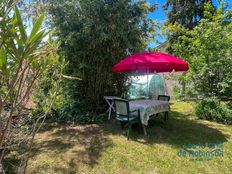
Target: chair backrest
(122,107)
(164,97)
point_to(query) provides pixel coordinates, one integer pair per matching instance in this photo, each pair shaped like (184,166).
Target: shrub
(190,93)
(213,109)
(70,114)
(176,92)
(70,111)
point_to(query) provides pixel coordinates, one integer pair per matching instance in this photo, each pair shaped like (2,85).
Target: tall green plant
(95,35)
(23,59)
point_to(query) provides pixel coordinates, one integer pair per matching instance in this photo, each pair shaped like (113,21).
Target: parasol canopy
(150,62)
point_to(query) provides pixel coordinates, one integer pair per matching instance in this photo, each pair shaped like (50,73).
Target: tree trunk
(182,89)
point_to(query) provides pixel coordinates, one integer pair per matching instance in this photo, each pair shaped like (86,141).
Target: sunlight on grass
(104,148)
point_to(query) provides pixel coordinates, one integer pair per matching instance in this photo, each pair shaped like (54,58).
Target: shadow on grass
(81,144)
(179,130)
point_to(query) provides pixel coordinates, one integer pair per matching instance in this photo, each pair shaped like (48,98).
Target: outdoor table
(110,101)
(148,108)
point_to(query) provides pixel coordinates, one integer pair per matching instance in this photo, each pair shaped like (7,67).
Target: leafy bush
(190,93)
(213,109)
(68,113)
(176,92)
(64,109)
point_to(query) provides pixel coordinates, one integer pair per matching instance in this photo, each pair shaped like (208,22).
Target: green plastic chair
(125,116)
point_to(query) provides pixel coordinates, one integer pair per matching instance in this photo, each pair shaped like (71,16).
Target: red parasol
(150,62)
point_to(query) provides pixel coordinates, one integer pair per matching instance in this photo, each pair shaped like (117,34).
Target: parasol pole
(147,87)
(147,84)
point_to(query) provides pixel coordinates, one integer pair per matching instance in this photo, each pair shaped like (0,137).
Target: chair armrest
(136,110)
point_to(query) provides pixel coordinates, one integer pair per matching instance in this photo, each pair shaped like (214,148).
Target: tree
(186,13)
(94,35)
(31,9)
(208,49)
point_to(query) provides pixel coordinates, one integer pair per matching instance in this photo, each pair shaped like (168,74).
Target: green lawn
(104,148)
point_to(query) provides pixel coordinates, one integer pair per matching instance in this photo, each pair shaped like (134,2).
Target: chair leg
(144,130)
(109,115)
(140,125)
(165,116)
(122,125)
(129,130)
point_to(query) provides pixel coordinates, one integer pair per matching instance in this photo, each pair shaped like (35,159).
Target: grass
(104,148)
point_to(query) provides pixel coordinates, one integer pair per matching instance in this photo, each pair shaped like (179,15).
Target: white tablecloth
(149,108)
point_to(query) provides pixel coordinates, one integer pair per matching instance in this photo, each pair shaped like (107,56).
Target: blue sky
(160,16)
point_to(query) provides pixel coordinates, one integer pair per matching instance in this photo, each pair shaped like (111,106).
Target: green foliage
(186,13)
(208,50)
(24,57)
(17,48)
(176,92)
(182,14)
(71,114)
(213,109)
(46,85)
(95,35)
(190,93)
(30,9)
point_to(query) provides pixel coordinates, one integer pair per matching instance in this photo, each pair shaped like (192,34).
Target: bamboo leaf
(37,36)
(36,26)
(35,42)
(3,59)
(20,24)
